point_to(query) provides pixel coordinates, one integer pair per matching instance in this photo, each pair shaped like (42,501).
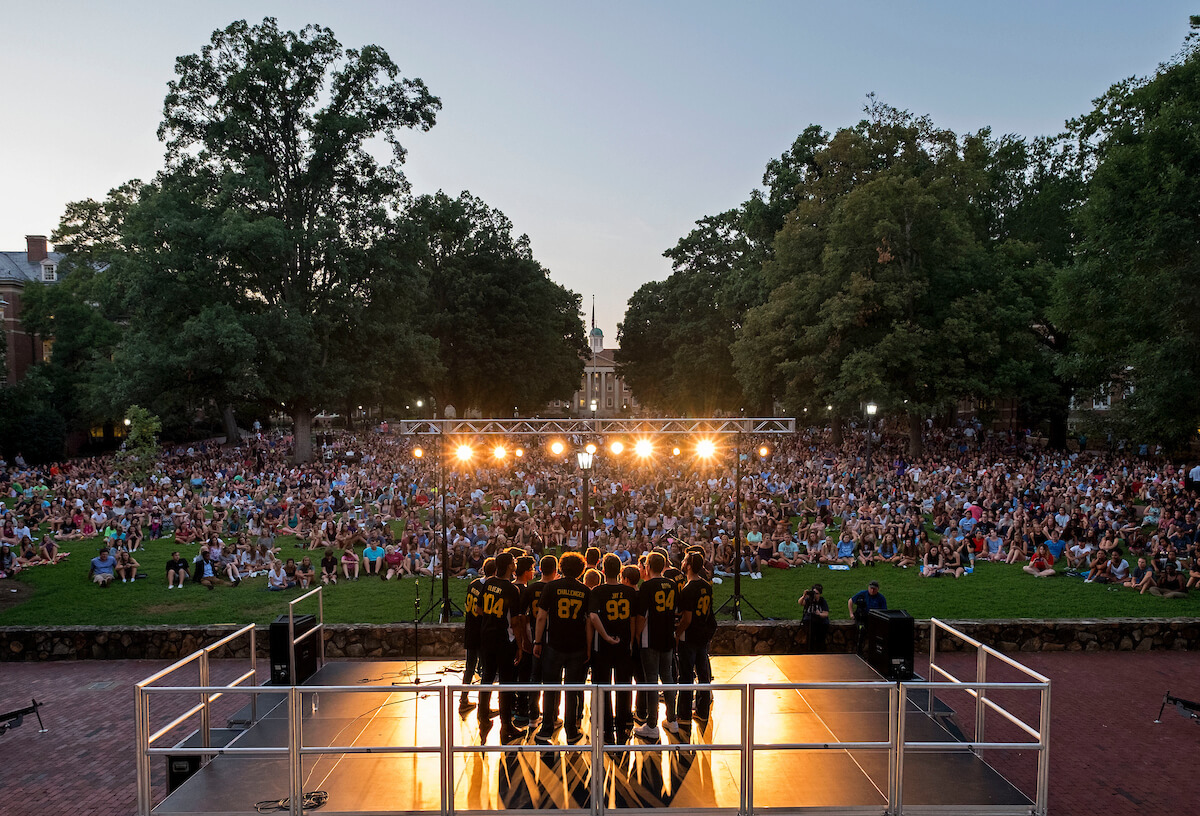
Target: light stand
(736,600)
(871,409)
(444,604)
(585,461)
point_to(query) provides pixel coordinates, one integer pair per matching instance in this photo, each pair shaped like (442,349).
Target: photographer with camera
(815,618)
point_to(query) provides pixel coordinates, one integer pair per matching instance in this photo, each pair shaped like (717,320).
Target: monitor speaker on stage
(891,643)
(306,650)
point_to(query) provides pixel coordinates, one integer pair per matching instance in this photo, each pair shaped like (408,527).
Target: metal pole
(204,717)
(446,699)
(747,781)
(295,758)
(445,547)
(254,677)
(893,713)
(291,644)
(902,706)
(980,708)
(597,722)
(737,526)
(321,623)
(868,452)
(933,628)
(1043,781)
(143,734)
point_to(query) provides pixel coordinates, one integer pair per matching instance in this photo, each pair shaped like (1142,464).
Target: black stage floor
(373,783)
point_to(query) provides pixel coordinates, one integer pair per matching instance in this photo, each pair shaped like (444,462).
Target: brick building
(18,269)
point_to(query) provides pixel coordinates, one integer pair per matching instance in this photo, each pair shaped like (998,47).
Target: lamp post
(585,459)
(871,409)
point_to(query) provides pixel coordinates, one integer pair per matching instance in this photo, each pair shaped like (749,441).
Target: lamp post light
(872,408)
(586,458)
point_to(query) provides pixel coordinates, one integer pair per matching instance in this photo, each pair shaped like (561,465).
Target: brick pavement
(1107,755)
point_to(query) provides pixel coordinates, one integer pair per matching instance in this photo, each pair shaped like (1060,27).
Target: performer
(498,617)
(548,567)
(655,626)
(523,575)
(612,605)
(563,622)
(471,630)
(697,624)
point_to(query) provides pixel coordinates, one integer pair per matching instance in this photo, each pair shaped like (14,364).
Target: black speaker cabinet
(891,643)
(306,650)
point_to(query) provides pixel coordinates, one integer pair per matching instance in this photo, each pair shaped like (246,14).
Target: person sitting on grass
(846,550)
(931,561)
(1079,554)
(329,566)
(1041,563)
(306,573)
(277,578)
(952,563)
(373,558)
(1141,578)
(993,544)
(177,571)
(1169,583)
(8,562)
(127,567)
(868,556)
(103,568)
(208,572)
(1194,568)
(393,563)
(1113,571)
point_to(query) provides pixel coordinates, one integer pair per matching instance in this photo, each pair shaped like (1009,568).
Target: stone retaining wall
(395,641)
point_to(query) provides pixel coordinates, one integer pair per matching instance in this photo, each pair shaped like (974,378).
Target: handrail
(897,745)
(319,628)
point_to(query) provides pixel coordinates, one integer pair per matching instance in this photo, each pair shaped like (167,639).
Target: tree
(271,218)
(139,454)
(506,335)
(1130,299)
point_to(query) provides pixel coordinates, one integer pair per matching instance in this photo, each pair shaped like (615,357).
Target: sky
(604,131)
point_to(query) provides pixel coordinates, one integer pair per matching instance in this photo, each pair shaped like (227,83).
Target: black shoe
(508,736)
(542,739)
(574,739)
(465,705)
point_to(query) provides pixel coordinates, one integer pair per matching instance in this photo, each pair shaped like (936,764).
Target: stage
(641,778)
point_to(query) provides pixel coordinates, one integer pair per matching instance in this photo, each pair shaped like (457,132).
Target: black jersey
(656,603)
(497,604)
(529,602)
(615,604)
(471,612)
(566,603)
(697,598)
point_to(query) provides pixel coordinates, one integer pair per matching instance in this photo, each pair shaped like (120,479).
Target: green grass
(62,595)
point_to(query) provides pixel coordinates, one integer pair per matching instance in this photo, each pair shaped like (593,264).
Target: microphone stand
(417,635)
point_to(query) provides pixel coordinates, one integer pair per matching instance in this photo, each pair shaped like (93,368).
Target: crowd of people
(368,508)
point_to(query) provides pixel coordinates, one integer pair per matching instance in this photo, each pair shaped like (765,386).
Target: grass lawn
(62,595)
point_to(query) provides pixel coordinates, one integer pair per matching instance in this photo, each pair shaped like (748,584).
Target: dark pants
(528,702)
(472,665)
(694,666)
(498,661)
(563,667)
(614,665)
(818,628)
(657,667)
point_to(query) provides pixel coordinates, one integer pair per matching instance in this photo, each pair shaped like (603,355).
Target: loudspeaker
(891,643)
(180,769)
(306,650)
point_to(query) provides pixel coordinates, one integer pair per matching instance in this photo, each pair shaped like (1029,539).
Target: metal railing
(597,425)
(317,631)
(208,695)
(896,745)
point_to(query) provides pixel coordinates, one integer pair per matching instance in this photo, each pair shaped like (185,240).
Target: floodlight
(557,448)
(417,452)
(499,452)
(464,452)
(519,452)
(590,447)
(705,448)
(674,451)
(764,451)
(643,448)
(617,447)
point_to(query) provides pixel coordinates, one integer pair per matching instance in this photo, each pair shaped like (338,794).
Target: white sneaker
(170,586)
(647,731)
(671,726)
(717,579)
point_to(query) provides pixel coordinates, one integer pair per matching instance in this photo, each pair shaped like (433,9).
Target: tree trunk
(302,421)
(232,435)
(836,437)
(916,442)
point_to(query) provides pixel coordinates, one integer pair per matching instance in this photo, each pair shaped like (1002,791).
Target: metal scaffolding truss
(600,425)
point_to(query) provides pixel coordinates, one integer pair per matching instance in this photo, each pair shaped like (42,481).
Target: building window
(610,385)
(610,402)
(47,348)
(1102,402)
(49,274)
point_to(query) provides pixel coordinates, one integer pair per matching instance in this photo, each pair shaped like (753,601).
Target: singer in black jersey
(612,607)
(563,622)
(529,606)
(498,645)
(471,631)
(697,624)
(655,626)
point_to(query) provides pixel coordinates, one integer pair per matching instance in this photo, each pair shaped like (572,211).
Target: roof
(15,266)
(596,332)
(603,359)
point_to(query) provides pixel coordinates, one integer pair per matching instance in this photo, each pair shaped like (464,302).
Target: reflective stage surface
(686,779)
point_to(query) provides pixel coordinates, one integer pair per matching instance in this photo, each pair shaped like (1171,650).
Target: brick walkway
(1107,755)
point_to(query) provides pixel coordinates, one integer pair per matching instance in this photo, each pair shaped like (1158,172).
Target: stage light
(590,447)
(557,448)
(499,452)
(617,447)
(674,451)
(464,453)
(417,452)
(643,448)
(764,451)
(705,448)
(519,452)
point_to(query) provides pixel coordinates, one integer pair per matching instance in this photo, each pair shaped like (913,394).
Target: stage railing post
(295,758)
(1043,781)
(446,699)
(902,706)
(748,749)
(980,694)
(933,628)
(204,717)
(143,750)
(599,695)
(894,711)
(291,644)
(254,675)
(321,624)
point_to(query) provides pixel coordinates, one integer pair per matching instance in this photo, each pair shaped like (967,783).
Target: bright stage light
(617,448)
(417,452)
(705,448)
(675,451)
(643,448)
(763,451)
(519,452)
(499,452)
(557,448)
(590,447)
(464,452)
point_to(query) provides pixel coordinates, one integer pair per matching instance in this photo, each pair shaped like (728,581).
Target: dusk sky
(603,130)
